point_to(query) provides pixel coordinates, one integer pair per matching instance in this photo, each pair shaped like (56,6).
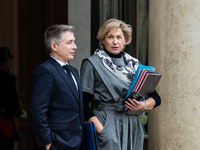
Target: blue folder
(137,74)
(90,137)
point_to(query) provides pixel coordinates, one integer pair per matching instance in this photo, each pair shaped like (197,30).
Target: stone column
(174,50)
(79,17)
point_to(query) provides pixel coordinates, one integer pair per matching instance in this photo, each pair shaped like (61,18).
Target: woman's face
(114,41)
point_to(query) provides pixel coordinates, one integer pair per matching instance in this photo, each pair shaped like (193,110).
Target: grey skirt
(120,132)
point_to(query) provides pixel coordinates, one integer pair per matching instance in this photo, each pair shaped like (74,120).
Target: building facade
(165,35)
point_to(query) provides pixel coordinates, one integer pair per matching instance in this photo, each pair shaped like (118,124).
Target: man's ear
(54,46)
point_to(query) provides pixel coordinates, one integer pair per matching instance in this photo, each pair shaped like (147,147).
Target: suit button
(80,128)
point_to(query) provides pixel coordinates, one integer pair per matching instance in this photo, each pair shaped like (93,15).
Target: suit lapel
(75,73)
(65,77)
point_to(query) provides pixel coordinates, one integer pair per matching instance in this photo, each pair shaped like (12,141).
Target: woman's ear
(102,42)
(54,46)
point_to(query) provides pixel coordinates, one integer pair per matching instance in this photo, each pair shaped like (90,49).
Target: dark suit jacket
(56,109)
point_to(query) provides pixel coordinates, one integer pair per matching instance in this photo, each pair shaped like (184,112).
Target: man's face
(65,50)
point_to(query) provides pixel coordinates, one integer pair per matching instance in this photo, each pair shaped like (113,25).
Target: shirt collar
(59,61)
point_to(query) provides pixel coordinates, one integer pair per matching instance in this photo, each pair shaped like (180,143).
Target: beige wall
(174,33)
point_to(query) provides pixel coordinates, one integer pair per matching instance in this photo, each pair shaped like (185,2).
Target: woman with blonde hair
(106,77)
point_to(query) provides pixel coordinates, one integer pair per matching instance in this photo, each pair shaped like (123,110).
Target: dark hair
(54,34)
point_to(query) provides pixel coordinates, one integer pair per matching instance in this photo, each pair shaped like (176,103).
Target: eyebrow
(70,40)
(112,34)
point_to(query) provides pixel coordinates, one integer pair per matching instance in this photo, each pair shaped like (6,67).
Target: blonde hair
(111,24)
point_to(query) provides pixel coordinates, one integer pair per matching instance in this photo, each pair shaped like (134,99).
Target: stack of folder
(144,82)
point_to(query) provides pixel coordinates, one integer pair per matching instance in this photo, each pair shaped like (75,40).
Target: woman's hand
(97,123)
(133,104)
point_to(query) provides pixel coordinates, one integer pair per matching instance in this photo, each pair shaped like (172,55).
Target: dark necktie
(68,69)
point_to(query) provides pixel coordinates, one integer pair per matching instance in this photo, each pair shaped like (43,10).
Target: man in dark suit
(57,104)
